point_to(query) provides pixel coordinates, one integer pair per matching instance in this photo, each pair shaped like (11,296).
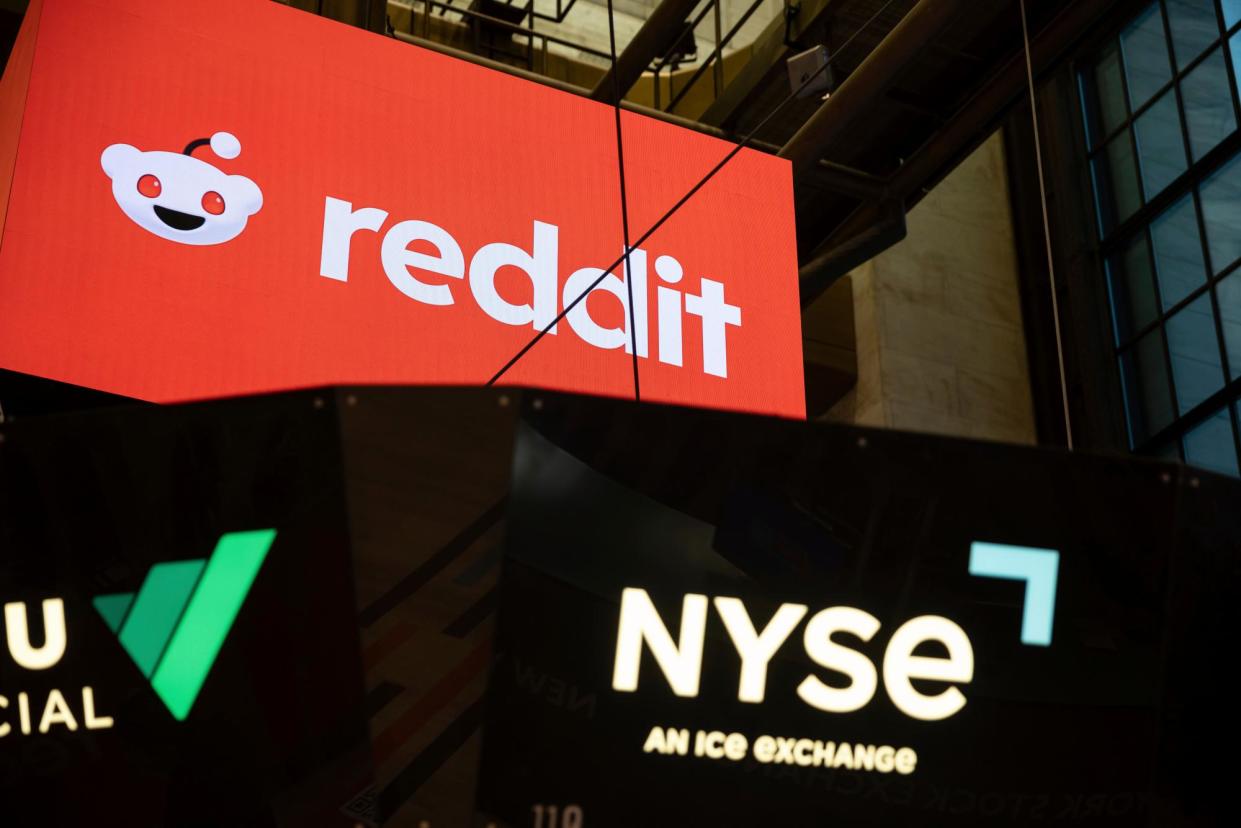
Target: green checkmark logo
(174,626)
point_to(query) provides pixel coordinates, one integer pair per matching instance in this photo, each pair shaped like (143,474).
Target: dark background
(1111,725)
(88,503)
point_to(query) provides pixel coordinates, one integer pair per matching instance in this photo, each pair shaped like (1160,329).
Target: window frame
(1111,244)
(1096,400)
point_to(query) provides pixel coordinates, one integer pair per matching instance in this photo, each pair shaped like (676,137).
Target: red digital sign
(207,199)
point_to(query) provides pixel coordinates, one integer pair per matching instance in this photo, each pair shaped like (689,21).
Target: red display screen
(236,197)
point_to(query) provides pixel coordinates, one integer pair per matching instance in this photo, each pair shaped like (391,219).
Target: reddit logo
(179,197)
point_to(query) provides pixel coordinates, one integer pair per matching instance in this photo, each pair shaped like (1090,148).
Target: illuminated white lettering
(680,662)
(340,222)
(823,751)
(18,633)
(827,653)
(23,713)
(671,740)
(585,326)
(716,315)
(863,757)
(803,752)
(710,744)
(397,260)
(900,665)
(669,303)
(539,267)
(756,650)
(89,718)
(56,711)
(815,753)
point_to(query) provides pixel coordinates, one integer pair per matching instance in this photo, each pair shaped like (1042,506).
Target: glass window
(1145,50)
(1234,45)
(1116,182)
(1228,293)
(1208,104)
(1178,252)
(1104,99)
(1132,289)
(1221,194)
(1232,12)
(1160,103)
(1197,370)
(1211,446)
(1193,26)
(1161,150)
(1148,398)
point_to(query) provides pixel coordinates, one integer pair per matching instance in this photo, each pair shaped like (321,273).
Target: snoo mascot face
(179,197)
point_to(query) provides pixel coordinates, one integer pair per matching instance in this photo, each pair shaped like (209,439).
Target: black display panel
(427,475)
(936,632)
(210,672)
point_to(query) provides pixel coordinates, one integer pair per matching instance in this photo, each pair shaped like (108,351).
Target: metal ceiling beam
(831,122)
(660,31)
(768,53)
(999,94)
(821,272)
(981,114)
(871,225)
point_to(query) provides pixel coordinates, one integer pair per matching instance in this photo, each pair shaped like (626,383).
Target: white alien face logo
(180,198)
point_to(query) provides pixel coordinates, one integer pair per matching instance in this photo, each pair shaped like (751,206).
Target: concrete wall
(940,345)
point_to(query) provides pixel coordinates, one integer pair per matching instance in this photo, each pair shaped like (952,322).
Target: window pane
(1208,104)
(1132,289)
(1197,370)
(1148,399)
(1116,182)
(1210,446)
(1103,93)
(1161,150)
(1178,252)
(1221,195)
(1194,28)
(1234,45)
(1232,12)
(1228,292)
(1146,56)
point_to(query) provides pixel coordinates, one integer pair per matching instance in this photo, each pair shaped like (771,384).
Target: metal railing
(562,10)
(560,14)
(477,21)
(483,27)
(671,59)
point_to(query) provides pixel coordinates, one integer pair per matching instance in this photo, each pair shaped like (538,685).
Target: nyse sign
(791,625)
(681,661)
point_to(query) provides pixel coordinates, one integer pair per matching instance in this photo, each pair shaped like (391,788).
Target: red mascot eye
(149,186)
(213,202)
